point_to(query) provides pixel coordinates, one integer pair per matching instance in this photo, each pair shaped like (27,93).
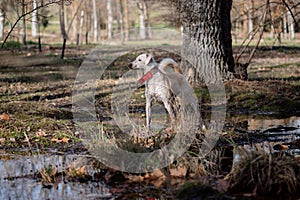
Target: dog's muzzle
(130,66)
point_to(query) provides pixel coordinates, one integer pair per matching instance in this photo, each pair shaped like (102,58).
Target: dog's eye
(140,60)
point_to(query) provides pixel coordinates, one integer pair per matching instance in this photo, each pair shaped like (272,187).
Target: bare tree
(250,16)
(285,31)
(110,21)
(96,29)
(2,14)
(24,22)
(34,20)
(126,20)
(291,26)
(145,28)
(23,15)
(63,28)
(121,14)
(81,26)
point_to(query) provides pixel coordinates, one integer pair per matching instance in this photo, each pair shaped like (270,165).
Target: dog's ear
(148,59)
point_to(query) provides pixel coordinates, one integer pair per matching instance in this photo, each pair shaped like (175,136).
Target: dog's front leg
(148,110)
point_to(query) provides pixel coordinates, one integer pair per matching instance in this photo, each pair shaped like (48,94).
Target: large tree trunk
(2,14)
(207,44)
(109,20)
(34,20)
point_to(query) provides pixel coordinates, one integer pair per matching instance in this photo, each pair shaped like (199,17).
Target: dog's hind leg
(169,108)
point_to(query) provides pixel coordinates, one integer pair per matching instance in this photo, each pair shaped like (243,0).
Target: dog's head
(141,62)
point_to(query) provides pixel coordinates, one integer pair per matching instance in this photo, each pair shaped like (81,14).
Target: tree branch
(25,14)
(74,17)
(291,12)
(262,23)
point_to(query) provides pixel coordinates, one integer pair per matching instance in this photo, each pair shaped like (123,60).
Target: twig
(262,22)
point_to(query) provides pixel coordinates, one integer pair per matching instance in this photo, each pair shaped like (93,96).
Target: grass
(265,173)
(36,93)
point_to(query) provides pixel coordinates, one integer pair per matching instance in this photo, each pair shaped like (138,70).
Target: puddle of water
(275,131)
(21,166)
(31,189)
(263,124)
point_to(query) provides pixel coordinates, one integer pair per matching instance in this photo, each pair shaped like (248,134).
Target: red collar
(148,75)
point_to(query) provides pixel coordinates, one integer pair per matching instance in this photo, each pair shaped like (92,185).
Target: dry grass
(263,173)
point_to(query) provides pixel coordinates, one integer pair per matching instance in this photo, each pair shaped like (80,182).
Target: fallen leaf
(2,140)
(65,140)
(40,133)
(158,182)
(157,174)
(179,172)
(56,140)
(147,176)
(12,139)
(4,117)
(135,178)
(81,170)
(280,147)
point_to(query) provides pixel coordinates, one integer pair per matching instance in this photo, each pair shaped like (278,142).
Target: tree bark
(121,13)
(75,20)
(24,23)
(207,44)
(126,20)
(63,28)
(2,20)
(145,28)
(96,29)
(81,26)
(109,20)
(284,21)
(250,17)
(34,20)
(291,26)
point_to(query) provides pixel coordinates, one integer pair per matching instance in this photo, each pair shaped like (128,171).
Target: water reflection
(21,166)
(30,189)
(263,124)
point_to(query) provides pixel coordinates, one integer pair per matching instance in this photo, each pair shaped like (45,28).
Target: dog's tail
(168,62)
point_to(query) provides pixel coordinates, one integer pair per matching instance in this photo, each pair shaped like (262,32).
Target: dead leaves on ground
(179,172)
(63,140)
(4,117)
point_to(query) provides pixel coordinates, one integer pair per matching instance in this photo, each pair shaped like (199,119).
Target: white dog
(161,84)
